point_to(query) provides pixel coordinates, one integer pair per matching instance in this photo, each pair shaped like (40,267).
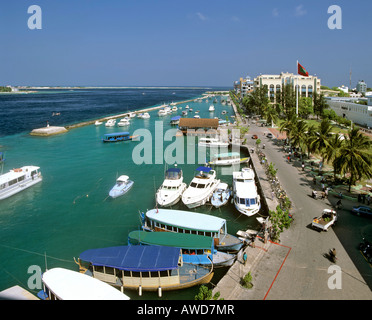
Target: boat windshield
(173,174)
(247,201)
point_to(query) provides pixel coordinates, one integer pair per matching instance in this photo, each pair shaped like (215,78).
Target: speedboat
(18,179)
(221,195)
(201,187)
(110,123)
(98,123)
(122,186)
(227,159)
(246,197)
(187,107)
(146,115)
(197,116)
(123,122)
(162,113)
(174,109)
(184,113)
(211,108)
(172,188)
(212,142)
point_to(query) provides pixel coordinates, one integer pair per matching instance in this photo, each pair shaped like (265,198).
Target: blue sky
(182,43)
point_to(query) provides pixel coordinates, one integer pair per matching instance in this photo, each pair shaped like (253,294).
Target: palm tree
(355,156)
(271,114)
(321,139)
(288,125)
(332,150)
(298,134)
(310,135)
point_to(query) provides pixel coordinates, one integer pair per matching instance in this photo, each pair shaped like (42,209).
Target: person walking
(245,258)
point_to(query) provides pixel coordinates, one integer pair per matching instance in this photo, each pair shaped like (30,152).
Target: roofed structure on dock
(198,126)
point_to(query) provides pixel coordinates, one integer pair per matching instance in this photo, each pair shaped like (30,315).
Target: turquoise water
(69,211)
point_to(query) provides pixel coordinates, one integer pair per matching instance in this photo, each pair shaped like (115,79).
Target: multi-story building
(307,85)
(244,86)
(361,87)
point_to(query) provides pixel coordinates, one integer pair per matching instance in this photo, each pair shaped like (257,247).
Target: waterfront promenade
(296,268)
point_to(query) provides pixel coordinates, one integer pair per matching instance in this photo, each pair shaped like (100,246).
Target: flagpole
(297,90)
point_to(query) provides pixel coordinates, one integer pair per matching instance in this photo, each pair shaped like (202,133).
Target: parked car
(362,210)
(269,135)
(254,136)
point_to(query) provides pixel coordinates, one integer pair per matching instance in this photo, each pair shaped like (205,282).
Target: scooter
(332,255)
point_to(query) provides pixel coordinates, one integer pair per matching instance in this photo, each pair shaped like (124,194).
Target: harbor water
(54,221)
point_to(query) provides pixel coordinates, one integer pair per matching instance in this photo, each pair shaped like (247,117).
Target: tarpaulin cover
(134,258)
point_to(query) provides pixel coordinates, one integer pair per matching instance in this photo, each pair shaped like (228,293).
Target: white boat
(184,113)
(98,123)
(211,108)
(212,142)
(110,123)
(146,115)
(223,112)
(174,109)
(201,187)
(227,159)
(187,107)
(175,120)
(64,284)
(122,186)
(172,188)
(246,198)
(221,195)
(18,179)
(123,122)
(131,115)
(197,116)
(162,113)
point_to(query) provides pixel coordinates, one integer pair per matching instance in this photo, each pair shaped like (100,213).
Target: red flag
(301,70)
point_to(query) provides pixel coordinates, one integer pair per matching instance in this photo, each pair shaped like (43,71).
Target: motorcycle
(366,248)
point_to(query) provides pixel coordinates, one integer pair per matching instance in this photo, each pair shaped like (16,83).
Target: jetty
(48,131)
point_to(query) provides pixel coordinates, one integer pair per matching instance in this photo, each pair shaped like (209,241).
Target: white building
(307,85)
(344,89)
(347,108)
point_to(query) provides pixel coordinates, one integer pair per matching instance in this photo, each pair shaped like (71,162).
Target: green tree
(321,139)
(279,221)
(257,101)
(299,134)
(305,107)
(271,114)
(319,104)
(354,157)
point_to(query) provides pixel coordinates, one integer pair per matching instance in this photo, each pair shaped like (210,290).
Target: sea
(51,223)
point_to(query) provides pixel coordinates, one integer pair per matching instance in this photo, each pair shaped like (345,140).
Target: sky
(182,42)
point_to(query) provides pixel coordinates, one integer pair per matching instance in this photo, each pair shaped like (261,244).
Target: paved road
(305,273)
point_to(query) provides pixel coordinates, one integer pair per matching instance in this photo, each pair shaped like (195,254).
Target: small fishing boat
(187,107)
(212,142)
(147,268)
(211,108)
(246,197)
(195,249)
(227,159)
(146,115)
(123,122)
(110,123)
(122,186)
(117,137)
(18,179)
(98,123)
(221,195)
(175,120)
(172,188)
(168,220)
(223,112)
(184,113)
(64,284)
(197,116)
(201,187)
(174,109)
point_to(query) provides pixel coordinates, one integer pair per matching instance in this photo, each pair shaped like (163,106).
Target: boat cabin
(144,267)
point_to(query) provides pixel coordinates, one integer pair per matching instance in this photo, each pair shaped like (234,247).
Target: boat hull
(18,187)
(116,192)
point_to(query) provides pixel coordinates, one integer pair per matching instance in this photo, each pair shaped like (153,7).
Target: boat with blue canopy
(193,223)
(145,268)
(175,120)
(117,137)
(196,249)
